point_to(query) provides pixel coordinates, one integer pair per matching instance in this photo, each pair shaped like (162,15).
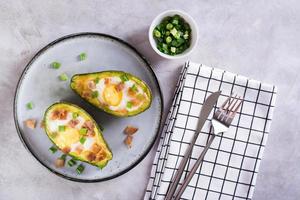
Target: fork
(221,121)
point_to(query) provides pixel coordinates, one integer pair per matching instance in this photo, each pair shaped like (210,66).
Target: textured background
(259,39)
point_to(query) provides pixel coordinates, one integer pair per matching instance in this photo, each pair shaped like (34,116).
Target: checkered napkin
(230,166)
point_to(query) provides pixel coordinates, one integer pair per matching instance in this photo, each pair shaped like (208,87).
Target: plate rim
(71,36)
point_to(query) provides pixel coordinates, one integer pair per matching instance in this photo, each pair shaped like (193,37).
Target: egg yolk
(112,96)
(67,138)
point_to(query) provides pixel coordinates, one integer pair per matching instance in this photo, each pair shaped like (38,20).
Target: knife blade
(204,113)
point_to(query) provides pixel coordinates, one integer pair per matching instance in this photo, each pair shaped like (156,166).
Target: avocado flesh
(80,85)
(93,149)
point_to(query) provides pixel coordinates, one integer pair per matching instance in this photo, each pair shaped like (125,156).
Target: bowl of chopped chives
(173,34)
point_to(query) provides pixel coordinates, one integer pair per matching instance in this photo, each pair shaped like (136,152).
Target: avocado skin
(114,73)
(101,165)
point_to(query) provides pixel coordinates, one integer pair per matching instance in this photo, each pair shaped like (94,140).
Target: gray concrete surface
(259,39)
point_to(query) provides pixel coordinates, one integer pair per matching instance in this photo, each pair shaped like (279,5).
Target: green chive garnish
(95,94)
(82,140)
(157,33)
(63,77)
(96,80)
(134,88)
(63,156)
(83,131)
(61,128)
(124,78)
(75,115)
(55,65)
(129,104)
(82,56)
(29,106)
(80,169)
(53,149)
(71,162)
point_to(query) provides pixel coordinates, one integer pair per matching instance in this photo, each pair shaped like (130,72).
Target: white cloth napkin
(230,166)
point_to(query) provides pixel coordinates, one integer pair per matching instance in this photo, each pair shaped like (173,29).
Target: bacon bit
(59,114)
(135,102)
(100,156)
(89,125)
(42,124)
(123,111)
(66,150)
(131,92)
(128,141)
(30,123)
(90,156)
(120,87)
(90,133)
(106,81)
(96,148)
(86,94)
(91,85)
(79,149)
(73,122)
(103,104)
(130,130)
(59,163)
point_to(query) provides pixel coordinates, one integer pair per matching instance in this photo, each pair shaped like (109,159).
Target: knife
(205,111)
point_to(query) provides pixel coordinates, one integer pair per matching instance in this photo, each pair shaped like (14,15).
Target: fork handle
(178,174)
(194,169)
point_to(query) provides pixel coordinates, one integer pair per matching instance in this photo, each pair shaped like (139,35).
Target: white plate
(39,83)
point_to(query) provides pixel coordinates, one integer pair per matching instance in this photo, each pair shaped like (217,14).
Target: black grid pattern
(230,167)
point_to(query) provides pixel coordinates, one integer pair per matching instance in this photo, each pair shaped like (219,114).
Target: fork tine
(235,100)
(233,112)
(225,102)
(230,103)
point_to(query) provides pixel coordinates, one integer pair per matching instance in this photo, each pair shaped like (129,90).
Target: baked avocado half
(115,92)
(76,133)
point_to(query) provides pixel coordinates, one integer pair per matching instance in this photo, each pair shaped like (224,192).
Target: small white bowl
(194,32)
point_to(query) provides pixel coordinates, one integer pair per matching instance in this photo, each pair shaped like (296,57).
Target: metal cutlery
(221,121)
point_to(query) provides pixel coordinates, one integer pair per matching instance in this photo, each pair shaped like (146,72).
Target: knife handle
(194,169)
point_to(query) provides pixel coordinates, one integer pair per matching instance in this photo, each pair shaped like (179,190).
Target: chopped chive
(157,33)
(83,131)
(55,65)
(63,77)
(96,80)
(53,149)
(134,88)
(129,104)
(72,162)
(175,21)
(124,78)
(173,49)
(29,106)
(177,35)
(80,169)
(168,39)
(169,26)
(63,156)
(95,94)
(82,56)
(61,128)
(75,115)
(173,31)
(82,140)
